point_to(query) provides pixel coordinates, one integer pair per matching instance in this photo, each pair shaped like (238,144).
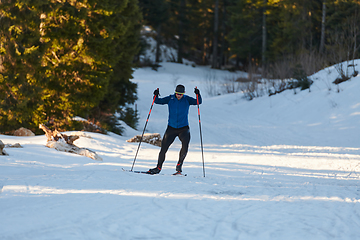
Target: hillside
(321,117)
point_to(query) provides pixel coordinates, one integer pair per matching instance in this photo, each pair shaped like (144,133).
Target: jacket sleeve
(162,101)
(193,101)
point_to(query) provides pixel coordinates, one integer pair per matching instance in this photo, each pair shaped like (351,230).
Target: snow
(279,167)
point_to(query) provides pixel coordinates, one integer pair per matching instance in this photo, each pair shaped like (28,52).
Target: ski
(146,172)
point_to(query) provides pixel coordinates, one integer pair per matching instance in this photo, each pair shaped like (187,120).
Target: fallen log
(151,138)
(2,151)
(62,142)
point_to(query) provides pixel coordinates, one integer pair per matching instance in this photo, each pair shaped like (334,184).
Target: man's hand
(156,92)
(196,91)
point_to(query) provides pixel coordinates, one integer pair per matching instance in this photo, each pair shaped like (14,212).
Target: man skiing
(178,124)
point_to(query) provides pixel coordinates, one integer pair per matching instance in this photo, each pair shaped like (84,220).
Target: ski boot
(154,171)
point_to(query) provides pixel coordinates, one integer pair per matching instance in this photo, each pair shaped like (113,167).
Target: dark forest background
(267,36)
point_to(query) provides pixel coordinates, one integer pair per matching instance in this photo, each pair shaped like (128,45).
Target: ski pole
(202,150)
(142,135)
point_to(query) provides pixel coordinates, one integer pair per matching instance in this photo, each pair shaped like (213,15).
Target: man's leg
(169,137)
(184,137)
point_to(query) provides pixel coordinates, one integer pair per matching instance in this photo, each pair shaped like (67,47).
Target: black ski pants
(169,137)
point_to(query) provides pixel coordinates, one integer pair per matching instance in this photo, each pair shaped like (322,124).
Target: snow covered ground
(280,167)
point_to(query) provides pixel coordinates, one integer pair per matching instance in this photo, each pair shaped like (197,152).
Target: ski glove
(196,91)
(156,92)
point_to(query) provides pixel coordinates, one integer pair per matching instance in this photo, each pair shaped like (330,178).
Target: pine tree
(246,34)
(121,91)
(60,59)
(21,73)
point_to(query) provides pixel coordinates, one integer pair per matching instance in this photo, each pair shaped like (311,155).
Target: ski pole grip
(197,100)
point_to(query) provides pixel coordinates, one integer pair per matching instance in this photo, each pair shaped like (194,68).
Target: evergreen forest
(65,58)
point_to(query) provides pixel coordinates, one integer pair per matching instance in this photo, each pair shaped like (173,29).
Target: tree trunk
(204,37)
(263,59)
(158,37)
(322,39)
(223,29)
(181,30)
(62,142)
(250,70)
(2,145)
(216,29)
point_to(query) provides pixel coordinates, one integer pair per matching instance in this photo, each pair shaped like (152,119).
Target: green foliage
(120,90)
(246,22)
(130,117)
(62,59)
(303,82)
(21,79)
(155,12)
(293,27)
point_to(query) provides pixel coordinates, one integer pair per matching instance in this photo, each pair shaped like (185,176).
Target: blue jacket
(178,109)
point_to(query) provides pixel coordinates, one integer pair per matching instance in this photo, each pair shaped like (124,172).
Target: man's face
(179,95)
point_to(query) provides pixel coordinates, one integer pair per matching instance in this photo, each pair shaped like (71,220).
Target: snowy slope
(280,167)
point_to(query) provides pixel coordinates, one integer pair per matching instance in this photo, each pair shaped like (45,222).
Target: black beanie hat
(180,89)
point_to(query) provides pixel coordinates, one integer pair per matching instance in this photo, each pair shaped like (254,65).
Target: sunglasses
(179,93)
